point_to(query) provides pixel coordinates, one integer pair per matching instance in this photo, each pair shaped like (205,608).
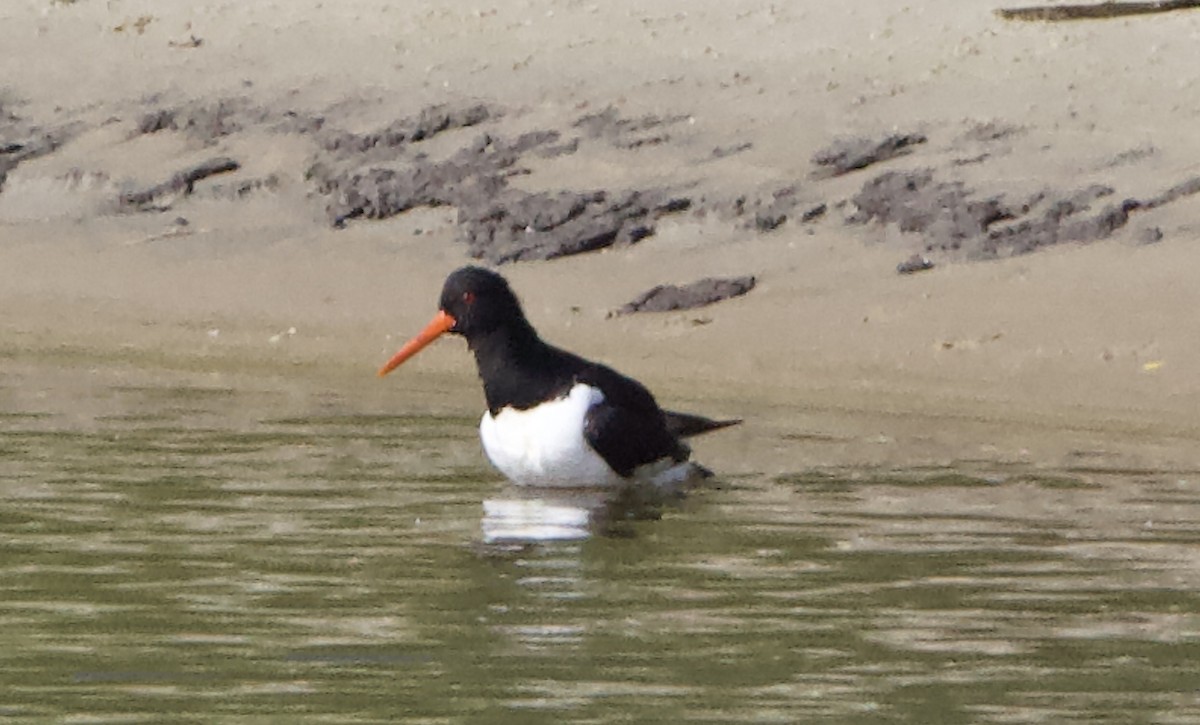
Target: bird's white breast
(544,445)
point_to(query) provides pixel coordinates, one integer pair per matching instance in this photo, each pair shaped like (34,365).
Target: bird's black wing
(627,428)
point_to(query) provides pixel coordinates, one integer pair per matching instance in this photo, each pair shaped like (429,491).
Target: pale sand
(1064,357)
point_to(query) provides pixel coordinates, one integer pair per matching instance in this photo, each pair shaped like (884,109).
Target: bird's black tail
(685,425)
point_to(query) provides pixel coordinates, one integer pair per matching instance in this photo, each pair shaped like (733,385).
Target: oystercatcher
(555,419)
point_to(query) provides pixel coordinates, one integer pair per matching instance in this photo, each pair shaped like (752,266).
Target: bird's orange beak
(440,324)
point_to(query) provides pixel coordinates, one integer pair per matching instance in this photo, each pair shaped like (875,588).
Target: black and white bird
(555,419)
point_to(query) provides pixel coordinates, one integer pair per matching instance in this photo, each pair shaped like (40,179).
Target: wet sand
(1073,355)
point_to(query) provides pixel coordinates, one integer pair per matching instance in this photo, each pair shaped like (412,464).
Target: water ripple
(174,557)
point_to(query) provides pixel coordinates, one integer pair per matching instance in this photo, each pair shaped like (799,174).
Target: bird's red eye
(468,297)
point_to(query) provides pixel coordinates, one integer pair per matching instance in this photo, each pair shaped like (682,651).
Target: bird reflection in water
(524,515)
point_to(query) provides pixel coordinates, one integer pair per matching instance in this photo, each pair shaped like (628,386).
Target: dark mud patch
(401,180)
(21,141)
(628,133)
(475,166)
(1054,220)
(1073,219)
(1094,11)
(1184,188)
(428,123)
(955,221)
(389,171)
(379,193)
(914,264)
(721,152)
(670,297)
(159,196)
(1132,156)
(990,131)
(768,212)
(384,173)
(943,213)
(527,226)
(209,121)
(851,154)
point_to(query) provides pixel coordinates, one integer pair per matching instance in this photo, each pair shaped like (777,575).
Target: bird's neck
(516,367)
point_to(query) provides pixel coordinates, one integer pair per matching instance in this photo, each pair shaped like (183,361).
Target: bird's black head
(480,301)
(477,304)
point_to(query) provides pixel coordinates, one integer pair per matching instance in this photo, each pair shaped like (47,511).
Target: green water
(176,555)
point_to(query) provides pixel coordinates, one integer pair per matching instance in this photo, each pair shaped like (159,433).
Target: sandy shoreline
(1040,358)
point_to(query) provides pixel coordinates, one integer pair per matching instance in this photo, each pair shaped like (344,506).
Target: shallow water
(194,552)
